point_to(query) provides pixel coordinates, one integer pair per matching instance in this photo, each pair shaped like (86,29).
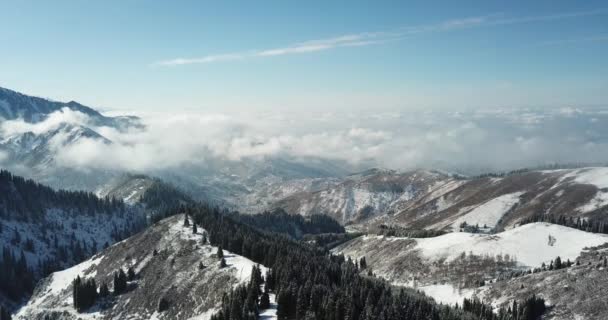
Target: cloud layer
(470,142)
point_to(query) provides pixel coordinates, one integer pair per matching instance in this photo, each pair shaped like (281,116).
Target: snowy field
(528,244)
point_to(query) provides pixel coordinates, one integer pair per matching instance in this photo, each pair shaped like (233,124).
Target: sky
(224,56)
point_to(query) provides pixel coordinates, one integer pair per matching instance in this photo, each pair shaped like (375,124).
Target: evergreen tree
(362,263)
(194,230)
(130,274)
(120,282)
(264,301)
(163,304)
(223,263)
(103,290)
(4,314)
(220,252)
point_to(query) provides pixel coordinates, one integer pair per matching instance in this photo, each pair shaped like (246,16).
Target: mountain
(44,230)
(166,261)
(432,200)
(176,274)
(153,194)
(364,195)
(15,105)
(461,265)
(38,150)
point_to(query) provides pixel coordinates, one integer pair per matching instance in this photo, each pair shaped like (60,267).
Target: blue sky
(280,55)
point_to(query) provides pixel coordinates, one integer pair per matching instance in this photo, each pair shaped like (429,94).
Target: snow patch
(489,213)
(446,293)
(528,244)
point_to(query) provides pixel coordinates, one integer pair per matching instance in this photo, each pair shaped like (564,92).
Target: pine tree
(163,304)
(194,230)
(186,221)
(130,274)
(362,263)
(4,314)
(223,263)
(103,290)
(120,282)
(220,252)
(265,301)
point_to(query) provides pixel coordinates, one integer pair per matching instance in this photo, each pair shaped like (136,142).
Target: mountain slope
(173,273)
(153,193)
(43,230)
(364,195)
(461,261)
(430,200)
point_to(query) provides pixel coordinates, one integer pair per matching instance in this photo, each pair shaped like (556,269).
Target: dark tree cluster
(120,282)
(4,313)
(27,200)
(398,231)
(161,196)
(330,240)
(308,282)
(24,200)
(529,309)
(244,302)
(84,293)
(295,226)
(15,275)
(587,224)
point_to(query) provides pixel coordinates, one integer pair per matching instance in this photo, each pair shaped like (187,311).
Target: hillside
(44,230)
(364,195)
(429,200)
(153,194)
(452,266)
(172,273)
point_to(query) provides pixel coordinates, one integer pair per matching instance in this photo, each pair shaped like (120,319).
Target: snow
(446,293)
(205,315)
(594,176)
(60,281)
(599,200)
(528,244)
(241,266)
(490,212)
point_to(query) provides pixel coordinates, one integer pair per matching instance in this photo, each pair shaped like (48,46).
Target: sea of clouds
(466,141)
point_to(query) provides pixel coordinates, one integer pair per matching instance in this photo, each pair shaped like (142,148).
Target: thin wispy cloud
(373,38)
(354,40)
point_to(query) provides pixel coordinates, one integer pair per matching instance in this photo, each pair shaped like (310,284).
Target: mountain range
(190,237)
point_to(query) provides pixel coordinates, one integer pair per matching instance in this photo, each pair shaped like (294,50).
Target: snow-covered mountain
(37,150)
(458,265)
(431,200)
(364,195)
(166,260)
(15,105)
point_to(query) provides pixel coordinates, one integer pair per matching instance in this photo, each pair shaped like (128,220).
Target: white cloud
(54,120)
(466,141)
